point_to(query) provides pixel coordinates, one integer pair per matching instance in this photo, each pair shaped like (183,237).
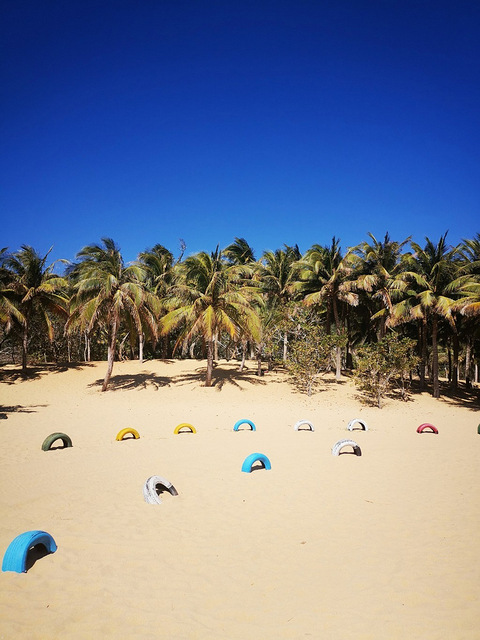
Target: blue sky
(283,121)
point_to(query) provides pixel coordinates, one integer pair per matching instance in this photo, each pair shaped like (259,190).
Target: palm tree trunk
(285,345)
(111,355)
(259,360)
(86,351)
(141,338)
(338,358)
(348,354)
(423,352)
(456,349)
(468,358)
(208,381)
(165,347)
(348,357)
(338,363)
(382,329)
(436,384)
(24,347)
(120,349)
(244,354)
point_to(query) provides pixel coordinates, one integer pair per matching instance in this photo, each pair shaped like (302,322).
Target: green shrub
(379,364)
(311,352)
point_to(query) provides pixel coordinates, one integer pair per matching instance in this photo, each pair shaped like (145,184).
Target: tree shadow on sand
(322,385)
(11,376)
(395,394)
(460,397)
(221,377)
(5,410)
(134,381)
(145,379)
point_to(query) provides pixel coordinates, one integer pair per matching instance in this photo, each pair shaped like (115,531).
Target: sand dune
(371,547)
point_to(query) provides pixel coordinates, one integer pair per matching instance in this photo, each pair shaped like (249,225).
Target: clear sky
(281,121)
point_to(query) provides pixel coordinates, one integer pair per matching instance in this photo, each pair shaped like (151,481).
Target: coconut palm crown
(239,252)
(323,276)
(8,310)
(379,265)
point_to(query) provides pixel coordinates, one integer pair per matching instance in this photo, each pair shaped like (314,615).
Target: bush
(392,358)
(311,353)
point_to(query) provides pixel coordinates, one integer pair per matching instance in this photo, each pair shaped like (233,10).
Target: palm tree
(239,252)
(380,266)
(469,280)
(270,318)
(469,303)
(275,275)
(323,276)
(468,285)
(434,295)
(157,263)
(208,298)
(107,293)
(8,310)
(469,252)
(37,291)
(469,308)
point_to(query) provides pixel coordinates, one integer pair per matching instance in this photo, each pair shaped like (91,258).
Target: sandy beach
(376,546)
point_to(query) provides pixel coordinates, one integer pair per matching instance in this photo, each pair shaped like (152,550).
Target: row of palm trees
(228,299)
